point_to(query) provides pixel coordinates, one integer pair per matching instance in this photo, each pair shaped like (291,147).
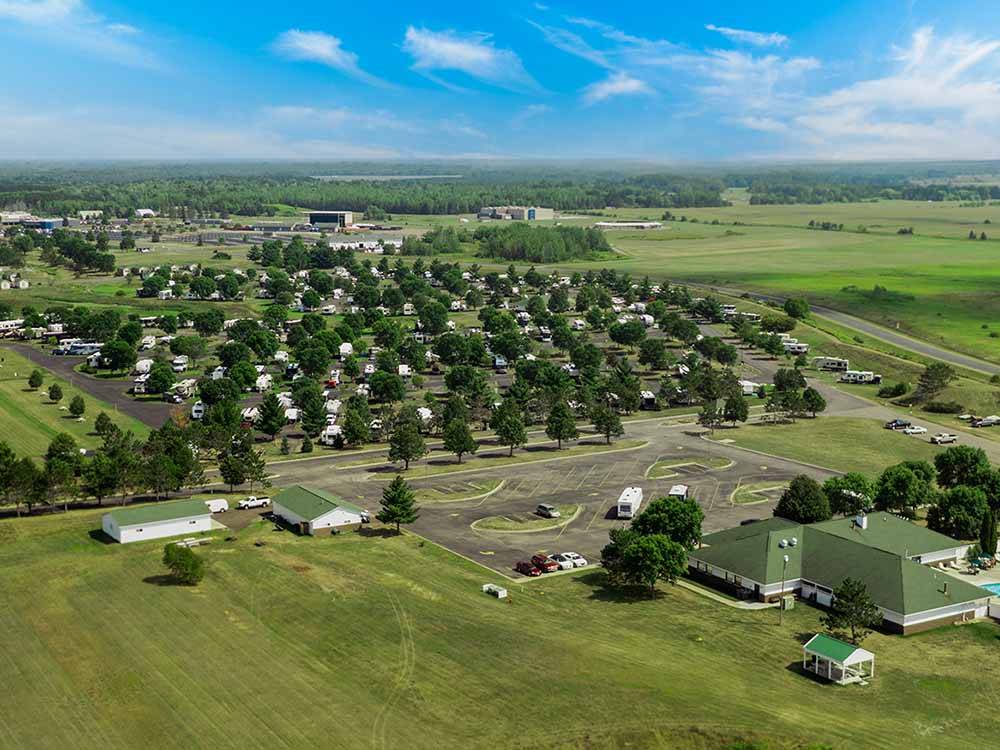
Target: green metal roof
(774,523)
(310,503)
(890,533)
(159,512)
(830,648)
(829,552)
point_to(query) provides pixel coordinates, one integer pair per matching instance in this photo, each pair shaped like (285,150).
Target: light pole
(781,594)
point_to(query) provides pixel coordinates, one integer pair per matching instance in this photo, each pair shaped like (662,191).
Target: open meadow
(372,640)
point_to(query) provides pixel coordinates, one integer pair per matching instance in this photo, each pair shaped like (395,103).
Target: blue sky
(668,81)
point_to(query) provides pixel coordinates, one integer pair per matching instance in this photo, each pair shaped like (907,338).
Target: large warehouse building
(157,521)
(331,219)
(890,555)
(516,213)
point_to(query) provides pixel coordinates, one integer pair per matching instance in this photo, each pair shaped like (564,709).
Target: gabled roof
(827,553)
(159,512)
(890,533)
(836,649)
(310,503)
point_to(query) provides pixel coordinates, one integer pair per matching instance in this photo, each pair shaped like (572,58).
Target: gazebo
(837,661)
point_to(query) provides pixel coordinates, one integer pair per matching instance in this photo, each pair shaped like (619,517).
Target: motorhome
(860,376)
(647,400)
(629,502)
(832,364)
(679,491)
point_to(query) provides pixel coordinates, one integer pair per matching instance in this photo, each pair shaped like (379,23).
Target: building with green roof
(314,511)
(157,520)
(891,555)
(837,660)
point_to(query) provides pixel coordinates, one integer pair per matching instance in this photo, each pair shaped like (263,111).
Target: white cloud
(756,38)
(343,118)
(940,98)
(38,11)
(763,124)
(470,53)
(323,48)
(617,84)
(71,23)
(123,28)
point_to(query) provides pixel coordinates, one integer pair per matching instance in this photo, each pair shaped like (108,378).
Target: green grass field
(840,443)
(380,642)
(524,522)
(29,421)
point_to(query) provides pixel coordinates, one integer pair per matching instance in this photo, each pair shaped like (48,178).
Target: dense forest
(522,242)
(266,189)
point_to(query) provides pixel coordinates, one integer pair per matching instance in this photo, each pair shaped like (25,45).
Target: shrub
(894,391)
(944,407)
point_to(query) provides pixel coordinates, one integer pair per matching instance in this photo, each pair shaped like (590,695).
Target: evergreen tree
(852,609)
(406,444)
(988,533)
(313,416)
(35,380)
(561,424)
(272,416)
(233,470)
(55,393)
(354,428)
(77,406)
(398,504)
(735,409)
(458,438)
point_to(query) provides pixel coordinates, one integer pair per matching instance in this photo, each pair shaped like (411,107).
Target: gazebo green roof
(831,648)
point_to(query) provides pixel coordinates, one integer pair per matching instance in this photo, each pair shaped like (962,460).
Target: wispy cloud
(73,24)
(322,48)
(617,84)
(940,97)
(471,53)
(756,38)
(38,11)
(573,44)
(526,114)
(347,118)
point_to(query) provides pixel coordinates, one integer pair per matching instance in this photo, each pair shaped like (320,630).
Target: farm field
(840,443)
(29,421)
(399,631)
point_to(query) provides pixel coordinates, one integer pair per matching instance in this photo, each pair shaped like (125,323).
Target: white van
(217,506)
(629,502)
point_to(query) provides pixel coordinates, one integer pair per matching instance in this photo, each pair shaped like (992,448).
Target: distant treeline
(522,242)
(264,195)
(783,193)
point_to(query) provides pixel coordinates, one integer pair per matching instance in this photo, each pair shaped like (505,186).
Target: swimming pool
(993,588)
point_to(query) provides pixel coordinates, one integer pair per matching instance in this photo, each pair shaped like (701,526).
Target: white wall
(956,553)
(282,512)
(158,529)
(338,517)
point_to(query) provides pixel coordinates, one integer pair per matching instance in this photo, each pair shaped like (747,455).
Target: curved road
(876,331)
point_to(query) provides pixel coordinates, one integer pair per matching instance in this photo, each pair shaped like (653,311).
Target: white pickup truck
(254,502)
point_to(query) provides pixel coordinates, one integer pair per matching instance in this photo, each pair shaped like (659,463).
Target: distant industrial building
(331,219)
(628,225)
(516,213)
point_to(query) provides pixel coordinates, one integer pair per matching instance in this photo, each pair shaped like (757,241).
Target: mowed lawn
(840,443)
(29,420)
(388,642)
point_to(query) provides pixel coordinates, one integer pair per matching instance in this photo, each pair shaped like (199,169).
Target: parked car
(579,561)
(547,565)
(897,424)
(914,430)
(547,511)
(254,502)
(525,568)
(562,561)
(941,438)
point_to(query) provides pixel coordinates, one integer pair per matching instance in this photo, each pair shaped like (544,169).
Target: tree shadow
(381,533)
(602,590)
(163,579)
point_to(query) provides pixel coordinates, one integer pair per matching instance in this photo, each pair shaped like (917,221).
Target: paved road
(879,332)
(152,413)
